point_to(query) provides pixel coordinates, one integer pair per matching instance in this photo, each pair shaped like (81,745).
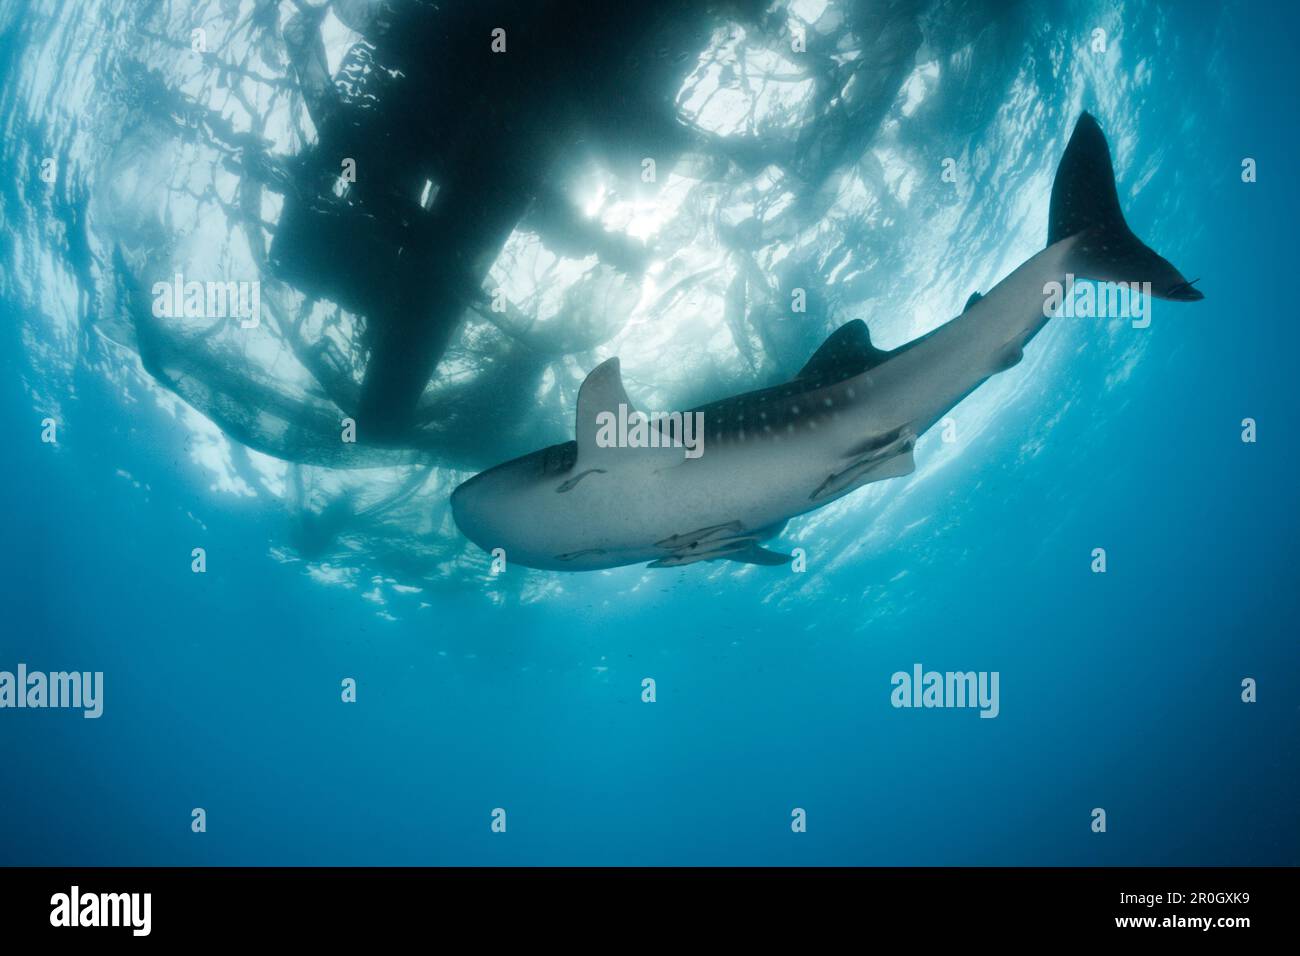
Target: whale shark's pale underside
(850,417)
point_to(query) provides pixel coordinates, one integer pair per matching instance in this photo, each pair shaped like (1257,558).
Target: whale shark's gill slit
(568,485)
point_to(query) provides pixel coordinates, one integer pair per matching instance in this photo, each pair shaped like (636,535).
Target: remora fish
(850,417)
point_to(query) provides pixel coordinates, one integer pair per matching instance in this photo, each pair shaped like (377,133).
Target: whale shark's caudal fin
(1085,203)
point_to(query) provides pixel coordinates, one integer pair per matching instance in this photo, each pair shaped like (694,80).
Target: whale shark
(850,417)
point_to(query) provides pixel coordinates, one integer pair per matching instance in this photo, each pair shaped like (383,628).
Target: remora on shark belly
(850,417)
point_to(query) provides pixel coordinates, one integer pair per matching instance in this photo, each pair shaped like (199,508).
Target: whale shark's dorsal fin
(601,391)
(974,297)
(601,394)
(846,352)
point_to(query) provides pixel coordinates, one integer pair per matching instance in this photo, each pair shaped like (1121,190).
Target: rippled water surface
(148,140)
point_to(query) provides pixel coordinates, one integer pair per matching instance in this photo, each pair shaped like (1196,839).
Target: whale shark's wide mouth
(476,502)
(470,505)
(472,500)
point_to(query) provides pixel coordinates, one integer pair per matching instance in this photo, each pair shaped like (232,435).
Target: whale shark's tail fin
(1085,203)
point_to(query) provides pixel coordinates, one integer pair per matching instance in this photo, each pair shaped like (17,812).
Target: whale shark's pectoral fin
(874,467)
(712,535)
(846,352)
(757,554)
(720,542)
(746,551)
(610,431)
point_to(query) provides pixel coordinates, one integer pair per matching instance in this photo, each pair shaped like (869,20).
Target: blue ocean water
(523,691)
